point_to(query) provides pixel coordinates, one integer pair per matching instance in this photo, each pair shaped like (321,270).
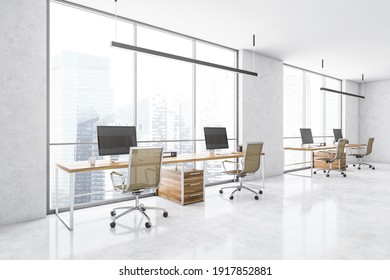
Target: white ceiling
(352,36)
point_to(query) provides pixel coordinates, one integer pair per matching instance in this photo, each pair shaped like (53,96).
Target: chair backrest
(340,149)
(369,146)
(144,168)
(251,162)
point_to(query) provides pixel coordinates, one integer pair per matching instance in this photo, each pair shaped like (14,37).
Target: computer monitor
(307,137)
(216,138)
(337,134)
(116,140)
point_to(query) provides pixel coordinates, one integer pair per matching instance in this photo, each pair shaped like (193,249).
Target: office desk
(83,166)
(312,149)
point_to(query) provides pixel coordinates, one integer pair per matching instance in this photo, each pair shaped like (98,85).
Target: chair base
(359,164)
(327,170)
(138,207)
(242,187)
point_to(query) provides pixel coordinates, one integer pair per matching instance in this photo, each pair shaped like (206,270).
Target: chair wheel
(324,171)
(315,172)
(327,175)
(369,166)
(256,197)
(231,197)
(345,175)
(221,191)
(260,192)
(148,225)
(353,165)
(373,168)
(165,214)
(346,166)
(113,213)
(359,168)
(113,224)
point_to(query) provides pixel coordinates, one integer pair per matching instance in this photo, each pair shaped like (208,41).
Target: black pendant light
(176,57)
(341,92)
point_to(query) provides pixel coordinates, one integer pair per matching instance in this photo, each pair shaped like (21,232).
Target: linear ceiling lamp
(173,56)
(180,58)
(341,92)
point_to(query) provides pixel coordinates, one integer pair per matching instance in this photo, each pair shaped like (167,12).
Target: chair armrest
(122,186)
(228,161)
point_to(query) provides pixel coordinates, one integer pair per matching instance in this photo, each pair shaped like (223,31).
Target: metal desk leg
(182,183)
(71,196)
(56,182)
(311,165)
(71,210)
(262,170)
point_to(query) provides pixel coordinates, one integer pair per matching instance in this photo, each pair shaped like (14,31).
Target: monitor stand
(118,159)
(114,158)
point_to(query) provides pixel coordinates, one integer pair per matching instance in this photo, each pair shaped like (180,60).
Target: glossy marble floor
(295,218)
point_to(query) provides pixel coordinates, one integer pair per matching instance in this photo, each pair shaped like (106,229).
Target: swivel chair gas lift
(143,174)
(360,156)
(250,164)
(334,157)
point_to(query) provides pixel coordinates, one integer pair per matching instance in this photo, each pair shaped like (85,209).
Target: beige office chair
(334,156)
(360,156)
(143,174)
(250,164)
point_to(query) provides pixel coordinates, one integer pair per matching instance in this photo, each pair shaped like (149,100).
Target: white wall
(261,108)
(374,119)
(22,110)
(351,112)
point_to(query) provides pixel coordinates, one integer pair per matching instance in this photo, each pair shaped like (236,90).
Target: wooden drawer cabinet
(183,187)
(320,164)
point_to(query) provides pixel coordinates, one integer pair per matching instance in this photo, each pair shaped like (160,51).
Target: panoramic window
(93,84)
(306,106)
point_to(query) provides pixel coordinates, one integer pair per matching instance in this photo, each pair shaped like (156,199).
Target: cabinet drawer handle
(194,173)
(195,194)
(194,184)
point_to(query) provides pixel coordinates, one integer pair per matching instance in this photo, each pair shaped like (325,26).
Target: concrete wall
(351,112)
(374,120)
(23,38)
(261,108)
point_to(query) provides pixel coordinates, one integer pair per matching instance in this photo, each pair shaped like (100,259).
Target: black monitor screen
(307,137)
(116,140)
(337,134)
(216,138)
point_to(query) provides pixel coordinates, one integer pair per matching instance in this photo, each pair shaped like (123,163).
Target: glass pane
(161,41)
(91,83)
(293,102)
(314,104)
(215,54)
(333,106)
(164,99)
(213,168)
(87,182)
